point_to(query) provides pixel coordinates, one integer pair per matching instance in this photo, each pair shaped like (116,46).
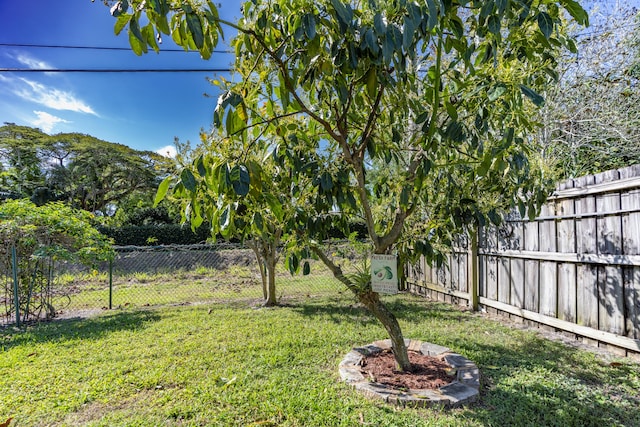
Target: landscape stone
(464,389)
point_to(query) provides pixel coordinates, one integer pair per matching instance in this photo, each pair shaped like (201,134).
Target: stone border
(464,389)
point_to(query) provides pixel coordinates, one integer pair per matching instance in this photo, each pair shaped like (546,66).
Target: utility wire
(54,46)
(115,70)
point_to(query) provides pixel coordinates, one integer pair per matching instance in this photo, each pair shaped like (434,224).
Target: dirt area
(428,373)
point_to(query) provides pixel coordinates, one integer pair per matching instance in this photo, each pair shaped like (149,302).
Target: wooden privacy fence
(575,268)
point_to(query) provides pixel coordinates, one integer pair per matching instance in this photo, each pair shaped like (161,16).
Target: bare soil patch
(428,372)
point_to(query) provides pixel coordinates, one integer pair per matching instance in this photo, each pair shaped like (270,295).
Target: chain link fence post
(110,284)
(14,268)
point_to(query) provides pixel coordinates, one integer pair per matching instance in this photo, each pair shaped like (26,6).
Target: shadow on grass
(540,382)
(527,380)
(346,308)
(76,328)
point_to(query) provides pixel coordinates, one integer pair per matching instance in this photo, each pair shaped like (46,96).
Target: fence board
(531,267)
(576,266)
(587,274)
(548,269)
(517,266)
(631,246)
(566,244)
(504,272)
(609,235)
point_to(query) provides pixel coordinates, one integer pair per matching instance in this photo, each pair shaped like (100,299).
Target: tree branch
(334,268)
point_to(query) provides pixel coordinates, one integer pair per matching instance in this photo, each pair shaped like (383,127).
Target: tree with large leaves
(445,92)
(253,195)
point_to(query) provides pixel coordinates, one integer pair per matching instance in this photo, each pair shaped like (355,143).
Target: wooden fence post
(473,263)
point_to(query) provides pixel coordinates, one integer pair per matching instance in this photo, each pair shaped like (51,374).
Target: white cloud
(46,121)
(51,97)
(32,62)
(167,151)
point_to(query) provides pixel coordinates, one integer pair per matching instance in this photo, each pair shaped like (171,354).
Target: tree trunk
(270,261)
(371,300)
(257,251)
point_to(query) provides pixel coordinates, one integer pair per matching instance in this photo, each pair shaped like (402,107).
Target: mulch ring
(428,372)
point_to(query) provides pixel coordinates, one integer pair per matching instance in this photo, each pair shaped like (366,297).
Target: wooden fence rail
(575,268)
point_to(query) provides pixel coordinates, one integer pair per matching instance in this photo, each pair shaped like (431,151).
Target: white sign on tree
(384,274)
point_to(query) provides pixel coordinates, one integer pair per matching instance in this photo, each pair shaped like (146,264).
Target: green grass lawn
(216,365)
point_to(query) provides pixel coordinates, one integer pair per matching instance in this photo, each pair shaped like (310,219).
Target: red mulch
(428,372)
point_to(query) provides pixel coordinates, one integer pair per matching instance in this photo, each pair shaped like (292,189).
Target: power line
(56,46)
(115,70)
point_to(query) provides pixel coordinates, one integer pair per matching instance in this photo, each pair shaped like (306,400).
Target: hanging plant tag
(384,274)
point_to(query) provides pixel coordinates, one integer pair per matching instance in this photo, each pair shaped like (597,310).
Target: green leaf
(197,220)
(404,196)
(150,37)
(306,268)
(162,190)
(502,6)
(162,24)
(487,8)
(372,42)
(240,180)
(200,166)
(344,12)
(576,11)
(496,92)
(455,132)
(293,263)
(372,82)
(407,33)
(309,24)
(225,218)
(274,205)
(195,28)
(138,45)
(121,22)
(545,23)
(433,14)
(379,25)
(494,24)
(326,183)
(422,117)
(532,95)
(258,221)
(134,28)
(457,27)
(188,180)
(388,47)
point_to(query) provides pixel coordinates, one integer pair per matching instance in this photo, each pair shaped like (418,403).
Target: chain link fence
(168,275)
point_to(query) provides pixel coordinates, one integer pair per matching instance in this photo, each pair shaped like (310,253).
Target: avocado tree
(444,92)
(256,195)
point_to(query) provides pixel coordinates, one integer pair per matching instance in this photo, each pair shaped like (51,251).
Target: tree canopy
(82,170)
(591,118)
(442,94)
(37,236)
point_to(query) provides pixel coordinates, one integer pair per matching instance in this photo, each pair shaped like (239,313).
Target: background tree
(82,170)
(42,235)
(21,172)
(591,118)
(443,91)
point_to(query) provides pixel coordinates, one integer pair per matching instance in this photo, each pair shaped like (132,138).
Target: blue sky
(142,110)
